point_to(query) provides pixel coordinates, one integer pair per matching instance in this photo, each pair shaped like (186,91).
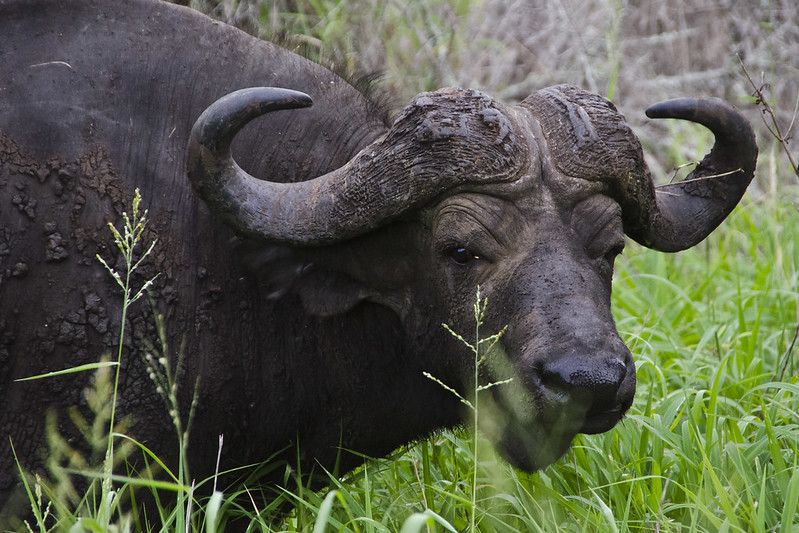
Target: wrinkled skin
(307,341)
(558,321)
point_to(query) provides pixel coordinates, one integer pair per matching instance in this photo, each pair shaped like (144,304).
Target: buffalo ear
(276,268)
(281,270)
(326,293)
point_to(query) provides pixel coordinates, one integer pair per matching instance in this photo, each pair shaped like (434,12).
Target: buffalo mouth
(533,445)
(523,450)
(602,421)
(533,430)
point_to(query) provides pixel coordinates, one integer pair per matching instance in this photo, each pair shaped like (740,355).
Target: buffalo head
(531,203)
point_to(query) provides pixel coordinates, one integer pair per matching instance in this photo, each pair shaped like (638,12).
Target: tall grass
(95,509)
(637,53)
(86,493)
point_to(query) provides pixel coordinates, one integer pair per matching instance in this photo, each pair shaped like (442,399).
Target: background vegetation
(635,52)
(712,440)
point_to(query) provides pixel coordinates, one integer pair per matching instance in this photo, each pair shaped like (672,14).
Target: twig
(774,129)
(680,167)
(774,126)
(700,178)
(789,353)
(710,176)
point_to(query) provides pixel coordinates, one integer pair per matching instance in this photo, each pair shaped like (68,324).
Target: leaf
(324,512)
(212,511)
(74,369)
(417,521)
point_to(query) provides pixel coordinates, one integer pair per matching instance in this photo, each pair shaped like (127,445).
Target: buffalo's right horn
(589,139)
(679,215)
(313,212)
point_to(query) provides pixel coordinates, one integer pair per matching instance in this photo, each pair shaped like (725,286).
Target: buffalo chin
(602,422)
(530,440)
(534,445)
(533,450)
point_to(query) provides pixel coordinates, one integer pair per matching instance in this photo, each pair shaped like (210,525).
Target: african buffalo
(310,297)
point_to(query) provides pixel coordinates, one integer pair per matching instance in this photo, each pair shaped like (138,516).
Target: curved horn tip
(256,101)
(222,184)
(291,98)
(222,120)
(706,111)
(684,213)
(725,121)
(276,96)
(674,108)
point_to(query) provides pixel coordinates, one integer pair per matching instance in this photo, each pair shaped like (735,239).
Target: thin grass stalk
(126,242)
(478,316)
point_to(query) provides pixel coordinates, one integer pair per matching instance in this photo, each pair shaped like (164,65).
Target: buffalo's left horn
(385,179)
(305,213)
(677,216)
(229,191)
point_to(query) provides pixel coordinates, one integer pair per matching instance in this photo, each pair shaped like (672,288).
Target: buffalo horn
(677,216)
(382,181)
(307,213)
(229,191)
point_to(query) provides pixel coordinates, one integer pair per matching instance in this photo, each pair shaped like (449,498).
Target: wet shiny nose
(604,386)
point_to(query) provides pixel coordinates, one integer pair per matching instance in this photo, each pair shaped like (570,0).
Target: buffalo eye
(462,256)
